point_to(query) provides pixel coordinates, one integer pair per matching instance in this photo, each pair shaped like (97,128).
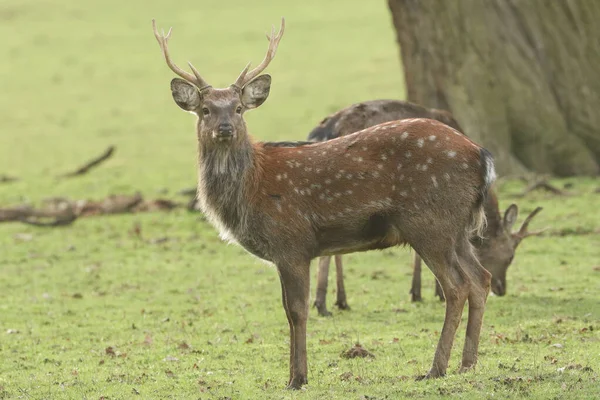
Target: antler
(246,76)
(163,39)
(523,233)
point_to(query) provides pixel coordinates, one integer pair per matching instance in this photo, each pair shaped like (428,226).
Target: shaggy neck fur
(224,172)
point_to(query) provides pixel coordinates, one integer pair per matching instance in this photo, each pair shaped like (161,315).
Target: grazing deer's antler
(246,76)
(163,40)
(523,232)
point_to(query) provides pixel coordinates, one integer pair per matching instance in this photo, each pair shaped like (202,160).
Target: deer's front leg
(295,284)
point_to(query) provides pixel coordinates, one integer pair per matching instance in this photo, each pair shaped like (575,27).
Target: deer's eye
(205,111)
(238,110)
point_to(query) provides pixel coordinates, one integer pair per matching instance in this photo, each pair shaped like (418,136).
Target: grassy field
(96,310)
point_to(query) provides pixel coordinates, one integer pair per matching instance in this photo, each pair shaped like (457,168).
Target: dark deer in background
(498,246)
(416,182)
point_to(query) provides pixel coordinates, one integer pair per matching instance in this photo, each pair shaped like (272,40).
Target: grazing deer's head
(497,249)
(220,111)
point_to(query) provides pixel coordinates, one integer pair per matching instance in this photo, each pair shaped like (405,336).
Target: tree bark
(520,76)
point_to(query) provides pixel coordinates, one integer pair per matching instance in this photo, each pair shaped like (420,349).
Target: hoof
(464,369)
(296,383)
(322,309)
(416,298)
(430,375)
(342,305)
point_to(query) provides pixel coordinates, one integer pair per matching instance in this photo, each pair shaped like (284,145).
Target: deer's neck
(225,175)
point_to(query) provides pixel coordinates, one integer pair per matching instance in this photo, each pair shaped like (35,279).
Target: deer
(288,203)
(495,250)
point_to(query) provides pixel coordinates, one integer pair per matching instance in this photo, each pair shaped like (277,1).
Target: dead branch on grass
(92,163)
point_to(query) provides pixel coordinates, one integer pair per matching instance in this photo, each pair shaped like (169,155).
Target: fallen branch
(63,211)
(59,221)
(7,179)
(15,213)
(92,163)
(542,184)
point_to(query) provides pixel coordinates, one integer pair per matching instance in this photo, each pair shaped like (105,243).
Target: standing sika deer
(384,186)
(495,250)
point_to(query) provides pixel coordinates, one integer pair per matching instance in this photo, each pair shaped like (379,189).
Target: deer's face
(220,111)
(498,250)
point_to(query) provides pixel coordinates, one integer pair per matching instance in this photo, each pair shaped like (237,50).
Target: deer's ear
(256,91)
(510,216)
(185,94)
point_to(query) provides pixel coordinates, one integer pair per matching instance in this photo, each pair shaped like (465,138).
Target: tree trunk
(522,77)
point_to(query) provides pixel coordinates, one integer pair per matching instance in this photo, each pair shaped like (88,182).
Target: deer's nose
(225,129)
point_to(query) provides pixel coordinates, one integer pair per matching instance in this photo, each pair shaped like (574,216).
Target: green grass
(93,310)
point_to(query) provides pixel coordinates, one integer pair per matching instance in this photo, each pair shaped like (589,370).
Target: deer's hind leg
(341,301)
(480,282)
(455,284)
(322,278)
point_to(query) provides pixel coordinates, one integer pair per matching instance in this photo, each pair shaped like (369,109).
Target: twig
(188,192)
(6,179)
(92,163)
(15,213)
(542,184)
(59,221)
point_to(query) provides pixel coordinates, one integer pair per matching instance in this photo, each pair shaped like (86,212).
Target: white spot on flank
(403,193)
(375,174)
(364,148)
(432,138)
(327,181)
(380,166)
(278,177)
(434,180)
(393,188)
(324,153)
(348,209)
(420,142)
(404,135)
(399,167)
(338,175)
(447,176)
(318,170)
(465,165)
(348,191)
(291,182)
(338,194)
(408,154)
(401,177)
(429,160)
(383,157)
(285,175)
(451,153)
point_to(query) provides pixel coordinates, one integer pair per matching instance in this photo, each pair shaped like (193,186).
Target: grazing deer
(495,250)
(288,203)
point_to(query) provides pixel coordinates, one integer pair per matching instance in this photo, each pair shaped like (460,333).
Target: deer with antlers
(495,249)
(388,185)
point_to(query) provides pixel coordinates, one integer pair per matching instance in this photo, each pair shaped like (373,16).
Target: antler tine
(163,39)
(523,233)
(246,76)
